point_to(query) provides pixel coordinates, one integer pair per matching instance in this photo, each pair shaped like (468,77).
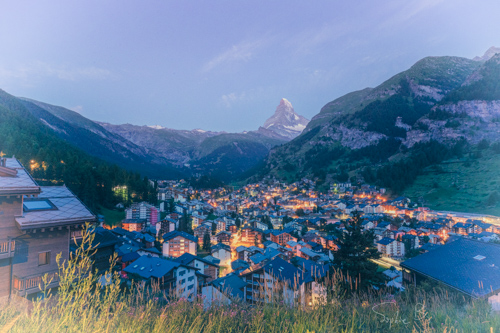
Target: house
(486,236)
(175,278)
(126,260)
(37,223)
(294,246)
(223,253)
(165,226)
(463,228)
(313,291)
(239,265)
(243,252)
(205,267)
(223,237)
(412,240)
(223,291)
(391,247)
(251,236)
(468,266)
(200,232)
(133,224)
(197,219)
(176,243)
(395,278)
(103,248)
(282,237)
(270,279)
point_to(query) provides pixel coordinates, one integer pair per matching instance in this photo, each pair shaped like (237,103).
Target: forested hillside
(52,161)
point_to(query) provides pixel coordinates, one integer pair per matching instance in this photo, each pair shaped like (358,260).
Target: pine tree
(354,254)
(206,242)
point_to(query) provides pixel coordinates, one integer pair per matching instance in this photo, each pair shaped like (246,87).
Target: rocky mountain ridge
(442,100)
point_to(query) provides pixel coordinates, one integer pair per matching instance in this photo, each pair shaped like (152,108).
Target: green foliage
(399,175)
(379,152)
(487,87)
(300,212)
(381,115)
(354,254)
(206,242)
(57,162)
(205,182)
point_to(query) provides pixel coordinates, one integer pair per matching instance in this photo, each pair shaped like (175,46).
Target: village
(276,232)
(245,245)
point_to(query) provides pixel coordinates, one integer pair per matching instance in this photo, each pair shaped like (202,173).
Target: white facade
(187,283)
(224,256)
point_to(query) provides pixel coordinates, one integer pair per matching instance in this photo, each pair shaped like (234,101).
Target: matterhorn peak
(285,121)
(285,103)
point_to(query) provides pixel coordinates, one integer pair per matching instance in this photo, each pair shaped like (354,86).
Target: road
(388,262)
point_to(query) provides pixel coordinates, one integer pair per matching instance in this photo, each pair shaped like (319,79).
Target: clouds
(239,53)
(39,69)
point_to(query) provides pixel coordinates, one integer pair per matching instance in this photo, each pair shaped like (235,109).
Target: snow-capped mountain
(285,122)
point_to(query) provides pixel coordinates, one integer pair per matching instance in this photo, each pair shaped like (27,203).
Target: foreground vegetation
(84,305)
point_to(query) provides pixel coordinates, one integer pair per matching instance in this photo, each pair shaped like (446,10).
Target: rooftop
(147,267)
(16,180)
(456,264)
(55,206)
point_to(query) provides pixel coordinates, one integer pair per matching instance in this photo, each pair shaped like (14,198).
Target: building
(36,223)
(223,253)
(224,237)
(144,211)
(200,232)
(271,280)
(134,224)
(250,236)
(223,291)
(103,246)
(391,247)
(468,266)
(176,243)
(173,277)
(282,237)
(205,267)
(166,226)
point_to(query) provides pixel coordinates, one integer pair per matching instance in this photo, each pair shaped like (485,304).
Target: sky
(223,65)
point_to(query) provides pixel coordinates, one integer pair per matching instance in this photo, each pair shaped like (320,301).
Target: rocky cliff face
(445,99)
(285,121)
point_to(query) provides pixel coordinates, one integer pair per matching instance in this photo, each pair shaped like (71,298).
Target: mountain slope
(439,109)
(52,160)
(97,141)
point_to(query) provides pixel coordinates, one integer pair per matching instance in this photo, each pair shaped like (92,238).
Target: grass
(81,305)
(112,217)
(459,186)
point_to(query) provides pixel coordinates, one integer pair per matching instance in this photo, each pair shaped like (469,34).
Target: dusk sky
(223,65)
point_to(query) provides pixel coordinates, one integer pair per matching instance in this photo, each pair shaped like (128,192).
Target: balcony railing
(7,249)
(35,283)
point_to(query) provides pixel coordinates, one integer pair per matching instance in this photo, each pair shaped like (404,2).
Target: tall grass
(83,305)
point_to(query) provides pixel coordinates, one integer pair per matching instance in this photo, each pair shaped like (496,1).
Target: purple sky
(223,65)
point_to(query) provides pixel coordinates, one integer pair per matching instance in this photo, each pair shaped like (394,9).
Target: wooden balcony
(7,249)
(35,283)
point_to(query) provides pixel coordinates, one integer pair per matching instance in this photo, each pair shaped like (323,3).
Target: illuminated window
(43,258)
